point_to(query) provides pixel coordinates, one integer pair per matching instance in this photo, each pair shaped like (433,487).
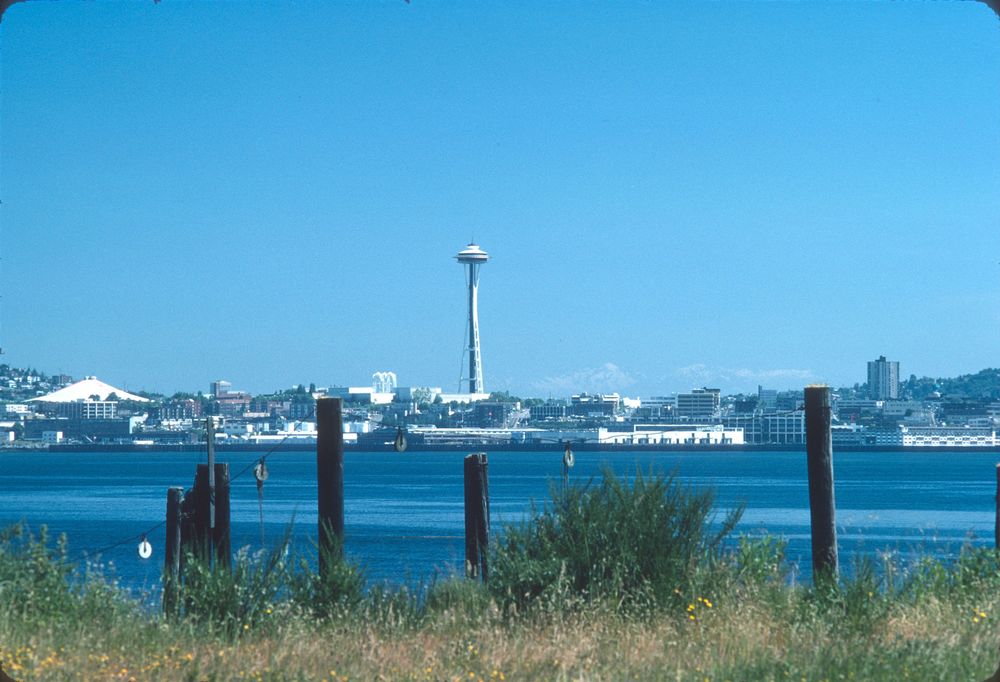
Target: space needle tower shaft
(473,257)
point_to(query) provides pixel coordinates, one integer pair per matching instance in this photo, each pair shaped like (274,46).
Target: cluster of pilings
(198,519)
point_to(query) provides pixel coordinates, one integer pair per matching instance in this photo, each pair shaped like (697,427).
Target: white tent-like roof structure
(83,390)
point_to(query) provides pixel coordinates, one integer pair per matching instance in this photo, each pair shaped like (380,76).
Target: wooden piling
(477,515)
(210,527)
(201,540)
(187,526)
(221,537)
(210,442)
(330,478)
(822,508)
(996,523)
(172,550)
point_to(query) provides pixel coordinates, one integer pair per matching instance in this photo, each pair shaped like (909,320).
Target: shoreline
(481,447)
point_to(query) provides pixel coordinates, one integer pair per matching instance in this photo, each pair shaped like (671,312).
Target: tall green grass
(640,543)
(638,579)
(261,588)
(40,588)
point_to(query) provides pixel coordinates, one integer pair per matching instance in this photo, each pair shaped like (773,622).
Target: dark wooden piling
(477,515)
(330,477)
(187,525)
(822,508)
(221,537)
(172,549)
(210,441)
(996,523)
(210,527)
(201,539)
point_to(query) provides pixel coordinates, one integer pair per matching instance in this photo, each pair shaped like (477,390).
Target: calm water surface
(404,516)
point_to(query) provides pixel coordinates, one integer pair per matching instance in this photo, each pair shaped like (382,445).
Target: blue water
(404,513)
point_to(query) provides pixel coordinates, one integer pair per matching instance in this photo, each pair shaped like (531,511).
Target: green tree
(504,397)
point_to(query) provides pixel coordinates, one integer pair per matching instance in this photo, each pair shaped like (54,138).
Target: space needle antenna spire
(473,257)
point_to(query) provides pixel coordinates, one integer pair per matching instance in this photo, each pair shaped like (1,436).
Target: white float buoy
(260,471)
(568,458)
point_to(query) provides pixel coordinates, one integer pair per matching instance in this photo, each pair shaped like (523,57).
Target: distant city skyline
(884,383)
(672,196)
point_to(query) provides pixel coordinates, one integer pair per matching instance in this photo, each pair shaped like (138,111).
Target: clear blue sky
(674,194)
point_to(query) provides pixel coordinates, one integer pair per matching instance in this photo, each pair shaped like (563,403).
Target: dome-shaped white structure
(83,390)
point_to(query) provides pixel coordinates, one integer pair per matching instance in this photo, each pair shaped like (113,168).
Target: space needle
(473,257)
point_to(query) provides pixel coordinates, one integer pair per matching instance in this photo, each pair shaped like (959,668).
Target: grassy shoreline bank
(612,581)
(742,636)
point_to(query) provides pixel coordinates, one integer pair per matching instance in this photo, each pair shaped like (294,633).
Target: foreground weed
(633,543)
(594,608)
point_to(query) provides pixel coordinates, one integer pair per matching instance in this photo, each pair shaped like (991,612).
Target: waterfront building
(846,408)
(302,409)
(557,436)
(993,410)
(232,404)
(472,258)
(767,399)
(656,408)
(785,428)
(943,436)
(903,409)
(662,434)
(547,411)
(897,409)
(270,406)
(88,409)
(630,404)
(791,400)
(645,435)
(885,437)
(463,398)
(173,425)
(83,430)
(417,394)
(963,411)
(294,431)
(751,425)
(235,430)
(847,434)
(488,413)
(162,436)
(599,405)
(180,409)
(467,436)
(701,404)
(883,379)
(741,406)
(365,395)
